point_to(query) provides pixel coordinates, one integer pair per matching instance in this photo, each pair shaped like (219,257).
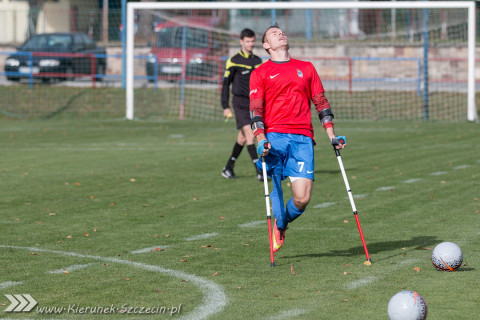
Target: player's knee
(301,202)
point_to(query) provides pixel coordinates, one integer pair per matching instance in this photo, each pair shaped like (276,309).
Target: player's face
(247,44)
(276,38)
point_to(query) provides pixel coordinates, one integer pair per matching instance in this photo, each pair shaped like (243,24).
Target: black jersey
(237,71)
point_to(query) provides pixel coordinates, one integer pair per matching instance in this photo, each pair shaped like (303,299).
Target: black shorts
(241,107)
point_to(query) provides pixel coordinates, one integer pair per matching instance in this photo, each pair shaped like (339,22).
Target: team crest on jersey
(299,73)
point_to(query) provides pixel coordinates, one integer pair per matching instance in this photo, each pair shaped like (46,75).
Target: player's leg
(241,106)
(228,172)
(252,150)
(300,168)
(241,121)
(301,190)
(274,161)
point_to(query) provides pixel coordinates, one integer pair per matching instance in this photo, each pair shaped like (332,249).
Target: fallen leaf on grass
(416,269)
(159,249)
(183,260)
(213,275)
(346,273)
(69,237)
(127,279)
(291,269)
(345,221)
(158,290)
(52,214)
(86,234)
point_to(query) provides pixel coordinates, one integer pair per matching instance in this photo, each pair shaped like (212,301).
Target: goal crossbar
(132,6)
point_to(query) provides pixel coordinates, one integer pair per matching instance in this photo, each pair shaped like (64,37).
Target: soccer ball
(407,305)
(447,256)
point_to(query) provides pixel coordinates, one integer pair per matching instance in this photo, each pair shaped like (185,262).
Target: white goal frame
(470,5)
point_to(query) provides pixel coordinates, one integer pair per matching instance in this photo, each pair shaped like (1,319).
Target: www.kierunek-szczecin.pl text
(125,308)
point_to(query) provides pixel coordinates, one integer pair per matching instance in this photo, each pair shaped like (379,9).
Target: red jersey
(287,89)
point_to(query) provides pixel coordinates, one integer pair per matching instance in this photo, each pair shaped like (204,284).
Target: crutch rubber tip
(368,262)
(272,264)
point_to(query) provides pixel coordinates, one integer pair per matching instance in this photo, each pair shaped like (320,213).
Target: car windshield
(171,37)
(48,43)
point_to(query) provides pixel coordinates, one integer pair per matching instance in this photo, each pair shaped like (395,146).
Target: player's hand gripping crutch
(336,141)
(267,202)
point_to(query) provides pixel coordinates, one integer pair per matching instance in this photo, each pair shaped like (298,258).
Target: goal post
(469,6)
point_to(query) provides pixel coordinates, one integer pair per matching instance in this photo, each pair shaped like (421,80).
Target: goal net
(377,60)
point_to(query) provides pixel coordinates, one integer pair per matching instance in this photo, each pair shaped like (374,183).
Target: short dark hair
(247,33)
(264,34)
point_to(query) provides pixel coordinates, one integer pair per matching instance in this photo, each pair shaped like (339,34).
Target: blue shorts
(291,156)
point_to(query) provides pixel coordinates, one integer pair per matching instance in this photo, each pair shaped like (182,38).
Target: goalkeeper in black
(238,69)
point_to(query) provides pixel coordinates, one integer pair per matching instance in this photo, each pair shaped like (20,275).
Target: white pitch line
(214,299)
(462,167)
(361,282)
(202,236)
(70,268)
(408,261)
(358,196)
(324,205)
(385,188)
(412,180)
(8,284)
(438,173)
(251,224)
(288,314)
(149,249)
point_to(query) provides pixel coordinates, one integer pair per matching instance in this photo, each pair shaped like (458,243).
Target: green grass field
(100,213)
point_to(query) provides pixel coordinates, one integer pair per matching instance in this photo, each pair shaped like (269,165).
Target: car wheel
(68,70)
(100,71)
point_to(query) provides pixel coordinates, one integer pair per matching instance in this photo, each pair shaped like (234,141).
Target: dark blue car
(61,56)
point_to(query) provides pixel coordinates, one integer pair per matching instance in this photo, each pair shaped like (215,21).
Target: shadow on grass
(416,243)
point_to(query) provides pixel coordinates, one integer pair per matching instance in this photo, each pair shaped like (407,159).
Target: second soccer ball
(447,256)
(407,305)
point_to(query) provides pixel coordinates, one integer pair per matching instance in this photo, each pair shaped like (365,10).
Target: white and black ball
(407,305)
(447,256)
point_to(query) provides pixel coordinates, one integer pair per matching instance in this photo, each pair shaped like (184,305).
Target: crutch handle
(339,139)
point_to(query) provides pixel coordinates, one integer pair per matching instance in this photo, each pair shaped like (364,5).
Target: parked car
(61,56)
(202,48)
